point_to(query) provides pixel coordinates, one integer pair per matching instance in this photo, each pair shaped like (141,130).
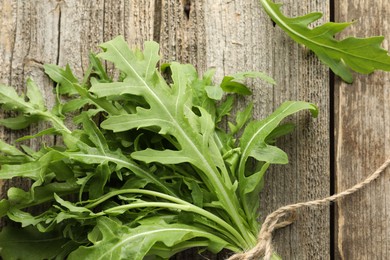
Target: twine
(264,248)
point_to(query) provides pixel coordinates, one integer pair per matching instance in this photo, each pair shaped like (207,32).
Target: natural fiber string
(264,248)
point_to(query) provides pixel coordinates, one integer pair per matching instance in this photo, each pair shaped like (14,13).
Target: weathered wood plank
(300,76)
(28,38)
(239,37)
(228,35)
(363,143)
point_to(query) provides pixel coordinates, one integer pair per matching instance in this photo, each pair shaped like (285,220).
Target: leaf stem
(178,204)
(57,123)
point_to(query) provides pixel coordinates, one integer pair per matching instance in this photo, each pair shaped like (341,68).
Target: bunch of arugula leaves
(156,177)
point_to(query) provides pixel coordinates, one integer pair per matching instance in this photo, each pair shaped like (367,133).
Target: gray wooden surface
(363,144)
(233,36)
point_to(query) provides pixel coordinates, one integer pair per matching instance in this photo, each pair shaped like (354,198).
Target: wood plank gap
(332,10)
(59,34)
(332,173)
(157,20)
(332,154)
(104,26)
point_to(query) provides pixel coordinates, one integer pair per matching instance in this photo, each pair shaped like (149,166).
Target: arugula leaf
(19,122)
(34,95)
(242,118)
(48,131)
(232,84)
(68,84)
(122,242)
(64,77)
(224,108)
(32,110)
(214,92)
(28,243)
(252,144)
(363,55)
(9,149)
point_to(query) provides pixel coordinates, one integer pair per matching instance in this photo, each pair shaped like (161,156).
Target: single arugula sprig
(363,55)
(156,177)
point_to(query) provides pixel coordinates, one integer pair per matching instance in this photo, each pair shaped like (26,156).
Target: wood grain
(301,76)
(240,37)
(28,38)
(363,143)
(230,36)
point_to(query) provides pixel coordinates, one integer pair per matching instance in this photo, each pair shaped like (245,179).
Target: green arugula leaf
(35,170)
(68,84)
(32,110)
(4,207)
(48,131)
(229,85)
(28,243)
(32,170)
(242,118)
(252,144)
(270,154)
(19,122)
(122,242)
(279,131)
(224,108)
(34,95)
(233,83)
(9,149)
(97,68)
(19,198)
(214,92)
(204,93)
(64,77)
(74,105)
(363,55)
(12,101)
(96,158)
